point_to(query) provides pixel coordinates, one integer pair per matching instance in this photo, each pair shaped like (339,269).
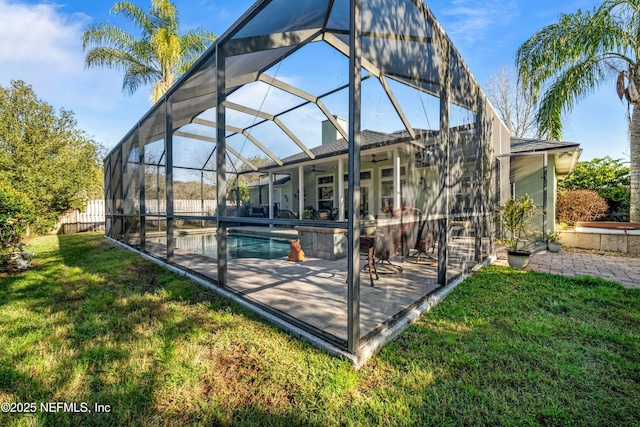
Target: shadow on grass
(107,327)
(524,348)
(97,324)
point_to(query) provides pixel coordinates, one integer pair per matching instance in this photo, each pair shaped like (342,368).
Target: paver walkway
(625,270)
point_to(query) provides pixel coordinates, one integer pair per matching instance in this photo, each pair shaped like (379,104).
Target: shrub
(513,220)
(16,214)
(580,205)
(609,177)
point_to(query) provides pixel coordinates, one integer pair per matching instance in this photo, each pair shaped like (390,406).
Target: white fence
(192,207)
(92,218)
(75,221)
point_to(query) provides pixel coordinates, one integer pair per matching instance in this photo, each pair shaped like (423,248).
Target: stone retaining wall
(628,243)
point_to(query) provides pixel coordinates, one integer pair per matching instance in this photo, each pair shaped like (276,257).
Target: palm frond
(135,14)
(105,56)
(165,14)
(159,56)
(573,84)
(192,44)
(551,48)
(138,75)
(105,34)
(566,61)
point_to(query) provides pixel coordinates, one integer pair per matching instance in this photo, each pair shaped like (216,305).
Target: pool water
(238,246)
(242,246)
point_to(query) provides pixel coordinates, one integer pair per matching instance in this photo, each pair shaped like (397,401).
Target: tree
(514,106)
(564,62)
(16,215)
(44,156)
(608,177)
(158,58)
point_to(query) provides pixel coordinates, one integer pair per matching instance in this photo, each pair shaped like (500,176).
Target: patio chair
(286,214)
(410,222)
(367,248)
(323,214)
(387,243)
(425,241)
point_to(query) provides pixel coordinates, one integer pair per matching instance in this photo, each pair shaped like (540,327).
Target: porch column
(300,191)
(397,196)
(545,193)
(340,190)
(353,251)
(221,166)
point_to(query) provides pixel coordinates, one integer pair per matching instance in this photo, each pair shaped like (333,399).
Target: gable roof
(369,139)
(566,154)
(532,145)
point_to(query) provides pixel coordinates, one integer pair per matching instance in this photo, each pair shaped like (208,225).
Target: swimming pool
(238,245)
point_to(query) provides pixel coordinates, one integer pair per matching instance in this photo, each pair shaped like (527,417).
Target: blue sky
(40,44)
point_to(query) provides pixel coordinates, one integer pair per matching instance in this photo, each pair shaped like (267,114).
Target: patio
(571,263)
(314,291)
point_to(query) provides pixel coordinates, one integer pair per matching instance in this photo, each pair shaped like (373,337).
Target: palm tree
(566,61)
(159,57)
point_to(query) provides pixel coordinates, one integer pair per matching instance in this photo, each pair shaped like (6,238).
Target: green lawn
(95,324)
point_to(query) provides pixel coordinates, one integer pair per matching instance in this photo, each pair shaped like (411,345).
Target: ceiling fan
(374,160)
(313,169)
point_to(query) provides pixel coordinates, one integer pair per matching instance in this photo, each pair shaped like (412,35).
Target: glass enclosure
(377,156)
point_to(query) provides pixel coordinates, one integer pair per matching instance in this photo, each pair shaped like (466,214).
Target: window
(386,188)
(366,192)
(364,176)
(325,192)
(462,192)
(277,195)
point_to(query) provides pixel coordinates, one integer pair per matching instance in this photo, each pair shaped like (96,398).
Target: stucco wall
(527,178)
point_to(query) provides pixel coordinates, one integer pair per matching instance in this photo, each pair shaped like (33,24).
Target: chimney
(329,132)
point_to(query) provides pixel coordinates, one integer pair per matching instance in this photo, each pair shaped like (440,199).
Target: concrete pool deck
(314,291)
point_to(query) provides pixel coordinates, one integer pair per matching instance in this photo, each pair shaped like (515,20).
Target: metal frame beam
(397,106)
(212,139)
(168,149)
(445,100)
(221,167)
(353,251)
(269,41)
(275,119)
(244,132)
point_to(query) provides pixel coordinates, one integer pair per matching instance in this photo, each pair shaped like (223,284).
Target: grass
(93,323)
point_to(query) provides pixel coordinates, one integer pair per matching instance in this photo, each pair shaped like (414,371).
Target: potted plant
(513,219)
(553,241)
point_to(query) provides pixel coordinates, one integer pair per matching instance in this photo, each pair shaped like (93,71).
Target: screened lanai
(347,124)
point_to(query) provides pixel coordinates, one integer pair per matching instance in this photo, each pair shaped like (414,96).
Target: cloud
(37,36)
(42,46)
(474,20)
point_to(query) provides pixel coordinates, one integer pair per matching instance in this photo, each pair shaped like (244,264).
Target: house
(532,161)
(419,147)
(536,167)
